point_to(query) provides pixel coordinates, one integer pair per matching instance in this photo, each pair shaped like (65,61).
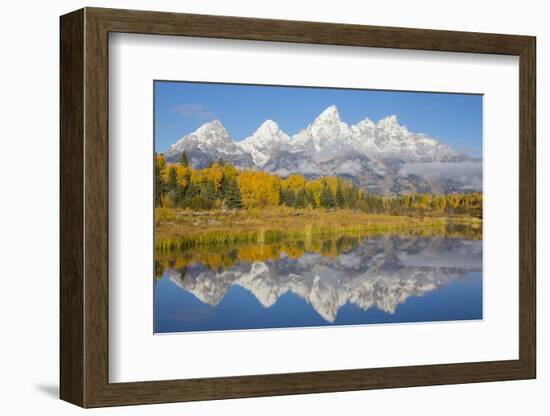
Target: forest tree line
(223,186)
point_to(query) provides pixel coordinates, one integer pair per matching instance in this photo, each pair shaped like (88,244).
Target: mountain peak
(365,123)
(209,133)
(329,114)
(267,132)
(268,126)
(211,141)
(265,142)
(213,131)
(327,146)
(325,134)
(211,125)
(389,122)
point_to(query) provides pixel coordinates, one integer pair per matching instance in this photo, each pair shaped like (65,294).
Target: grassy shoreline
(180,229)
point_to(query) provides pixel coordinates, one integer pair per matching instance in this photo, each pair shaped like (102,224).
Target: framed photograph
(256,207)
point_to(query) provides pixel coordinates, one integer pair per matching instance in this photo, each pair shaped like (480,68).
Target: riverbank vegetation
(222,205)
(219,256)
(177,229)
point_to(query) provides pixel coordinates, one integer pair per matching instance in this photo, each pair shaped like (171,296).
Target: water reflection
(376,273)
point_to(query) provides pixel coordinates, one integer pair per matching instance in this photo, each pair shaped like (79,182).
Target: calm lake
(343,281)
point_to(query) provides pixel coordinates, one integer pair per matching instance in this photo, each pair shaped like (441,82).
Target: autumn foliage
(223,186)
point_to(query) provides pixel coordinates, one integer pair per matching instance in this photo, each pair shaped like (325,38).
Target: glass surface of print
(281,207)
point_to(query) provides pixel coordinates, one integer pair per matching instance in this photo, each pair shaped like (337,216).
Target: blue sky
(182,107)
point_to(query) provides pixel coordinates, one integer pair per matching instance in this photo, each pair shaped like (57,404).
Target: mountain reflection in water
(373,278)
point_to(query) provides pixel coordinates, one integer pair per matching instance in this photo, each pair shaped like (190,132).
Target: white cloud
(468,173)
(194,110)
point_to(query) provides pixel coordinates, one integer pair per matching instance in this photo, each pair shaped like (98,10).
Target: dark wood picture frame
(84,207)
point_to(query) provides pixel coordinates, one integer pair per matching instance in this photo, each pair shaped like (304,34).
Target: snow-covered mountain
(374,155)
(325,135)
(210,142)
(388,140)
(266,143)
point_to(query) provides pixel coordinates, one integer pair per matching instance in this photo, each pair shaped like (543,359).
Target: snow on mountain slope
(326,134)
(388,140)
(372,154)
(266,142)
(209,143)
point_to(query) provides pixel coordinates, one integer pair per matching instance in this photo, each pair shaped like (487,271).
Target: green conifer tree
(172,184)
(327,198)
(233,198)
(180,195)
(223,186)
(208,191)
(192,190)
(311,199)
(339,199)
(350,196)
(282,196)
(159,184)
(184,161)
(301,199)
(290,197)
